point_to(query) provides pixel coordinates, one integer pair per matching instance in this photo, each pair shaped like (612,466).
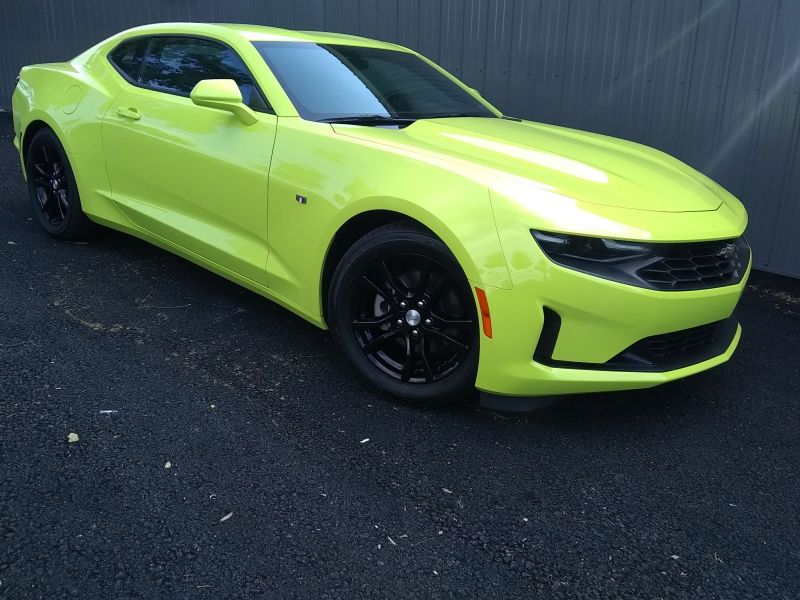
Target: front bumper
(599,321)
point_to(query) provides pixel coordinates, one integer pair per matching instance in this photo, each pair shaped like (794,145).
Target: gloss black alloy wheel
(50,182)
(403,312)
(411,319)
(52,188)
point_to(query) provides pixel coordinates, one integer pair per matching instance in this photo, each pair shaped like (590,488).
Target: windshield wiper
(369,120)
(456,115)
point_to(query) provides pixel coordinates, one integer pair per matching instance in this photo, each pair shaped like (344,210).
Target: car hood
(585,166)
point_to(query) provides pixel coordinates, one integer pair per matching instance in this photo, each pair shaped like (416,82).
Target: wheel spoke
(62,203)
(377,289)
(43,197)
(393,283)
(408,365)
(455,323)
(440,286)
(450,340)
(376,343)
(424,277)
(370,323)
(39,167)
(429,376)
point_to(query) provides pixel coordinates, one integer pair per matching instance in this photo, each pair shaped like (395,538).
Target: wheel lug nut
(399,322)
(414,332)
(403,304)
(421,303)
(428,322)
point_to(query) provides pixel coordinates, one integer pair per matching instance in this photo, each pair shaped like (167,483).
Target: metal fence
(714,82)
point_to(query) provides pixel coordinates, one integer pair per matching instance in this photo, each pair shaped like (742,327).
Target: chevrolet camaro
(447,246)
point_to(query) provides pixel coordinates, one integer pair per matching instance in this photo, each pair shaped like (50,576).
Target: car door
(196,177)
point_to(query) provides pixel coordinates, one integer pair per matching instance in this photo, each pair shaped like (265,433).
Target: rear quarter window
(128,57)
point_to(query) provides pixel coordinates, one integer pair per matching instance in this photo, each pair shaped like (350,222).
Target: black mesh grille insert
(697,265)
(681,342)
(678,348)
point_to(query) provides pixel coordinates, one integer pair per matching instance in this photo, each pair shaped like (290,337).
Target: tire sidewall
(457,387)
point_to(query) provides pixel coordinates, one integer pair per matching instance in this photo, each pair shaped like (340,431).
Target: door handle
(129,113)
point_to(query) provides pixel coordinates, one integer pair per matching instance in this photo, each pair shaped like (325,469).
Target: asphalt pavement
(225,451)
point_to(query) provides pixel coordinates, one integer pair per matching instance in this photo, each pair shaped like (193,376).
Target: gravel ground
(226,452)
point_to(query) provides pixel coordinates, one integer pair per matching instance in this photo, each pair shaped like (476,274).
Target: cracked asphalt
(195,400)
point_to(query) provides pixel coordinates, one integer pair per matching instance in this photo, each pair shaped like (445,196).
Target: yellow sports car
(448,247)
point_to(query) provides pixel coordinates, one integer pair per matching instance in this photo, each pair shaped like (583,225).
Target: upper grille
(698,265)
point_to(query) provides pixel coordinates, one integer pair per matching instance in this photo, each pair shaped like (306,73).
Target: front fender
(472,241)
(342,177)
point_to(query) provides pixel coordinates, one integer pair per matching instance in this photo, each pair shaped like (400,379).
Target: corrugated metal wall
(714,82)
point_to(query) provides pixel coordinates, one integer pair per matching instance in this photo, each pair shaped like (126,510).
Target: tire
(52,189)
(403,313)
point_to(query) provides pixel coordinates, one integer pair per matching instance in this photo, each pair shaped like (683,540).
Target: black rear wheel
(52,188)
(403,312)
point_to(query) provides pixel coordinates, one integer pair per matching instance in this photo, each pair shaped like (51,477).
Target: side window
(176,64)
(128,56)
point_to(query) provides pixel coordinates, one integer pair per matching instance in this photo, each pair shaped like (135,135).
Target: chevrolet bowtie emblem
(727,252)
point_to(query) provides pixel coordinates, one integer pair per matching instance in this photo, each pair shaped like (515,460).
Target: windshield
(327,81)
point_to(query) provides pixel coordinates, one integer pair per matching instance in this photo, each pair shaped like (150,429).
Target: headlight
(662,266)
(587,248)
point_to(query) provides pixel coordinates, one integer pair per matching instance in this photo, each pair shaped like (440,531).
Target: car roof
(255,33)
(264,33)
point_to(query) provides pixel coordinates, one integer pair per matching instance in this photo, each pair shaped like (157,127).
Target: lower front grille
(663,352)
(678,349)
(680,342)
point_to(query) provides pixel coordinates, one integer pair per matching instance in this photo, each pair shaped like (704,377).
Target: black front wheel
(402,311)
(52,188)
